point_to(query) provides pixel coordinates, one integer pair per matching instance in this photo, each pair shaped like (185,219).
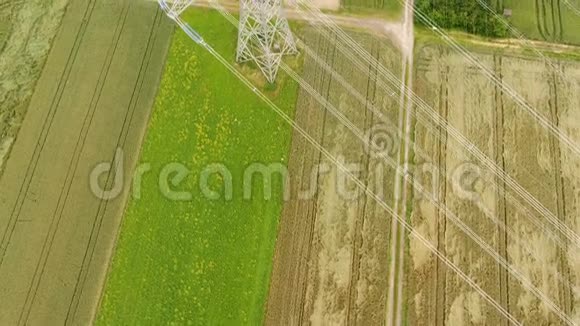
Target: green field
(201,261)
(391,9)
(561,25)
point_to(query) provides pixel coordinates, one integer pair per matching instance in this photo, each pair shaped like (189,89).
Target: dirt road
(394,313)
(94,96)
(393,30)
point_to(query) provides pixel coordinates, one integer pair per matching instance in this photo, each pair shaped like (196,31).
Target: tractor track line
(552,14)
(499,148)
(560,23)
(540,18)
(73,165)
(98,219)
(45,130)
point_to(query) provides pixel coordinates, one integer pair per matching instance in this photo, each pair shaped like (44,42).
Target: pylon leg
(264,35)
(176,7)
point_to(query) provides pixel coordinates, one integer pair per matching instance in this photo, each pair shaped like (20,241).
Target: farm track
(380,27)
(396,313)
(36,246)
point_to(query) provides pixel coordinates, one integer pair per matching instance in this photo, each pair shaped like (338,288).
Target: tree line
(465,15)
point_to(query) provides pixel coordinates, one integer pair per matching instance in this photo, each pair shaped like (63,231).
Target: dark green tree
(465,15)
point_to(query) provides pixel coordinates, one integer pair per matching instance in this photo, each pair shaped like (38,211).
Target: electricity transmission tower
(176,7)
(264,35)
(263,32)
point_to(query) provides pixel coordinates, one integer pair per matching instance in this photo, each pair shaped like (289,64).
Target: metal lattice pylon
(264,35)
(176,7)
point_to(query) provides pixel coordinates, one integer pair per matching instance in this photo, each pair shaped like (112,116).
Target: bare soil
(326,4)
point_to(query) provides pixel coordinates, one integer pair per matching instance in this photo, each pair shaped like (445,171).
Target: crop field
(393,8)
(92,97)
(222,214)
(332,254)
(494,123)
(202,260)
(553,21)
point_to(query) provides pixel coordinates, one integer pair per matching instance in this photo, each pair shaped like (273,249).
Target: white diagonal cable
(420,118)
(420,104)
(418,150)
(506,88)
(460,224)
(520,36)
(357,181)
(454,218)
(572,7)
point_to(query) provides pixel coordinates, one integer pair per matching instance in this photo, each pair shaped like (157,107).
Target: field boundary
(511,47)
